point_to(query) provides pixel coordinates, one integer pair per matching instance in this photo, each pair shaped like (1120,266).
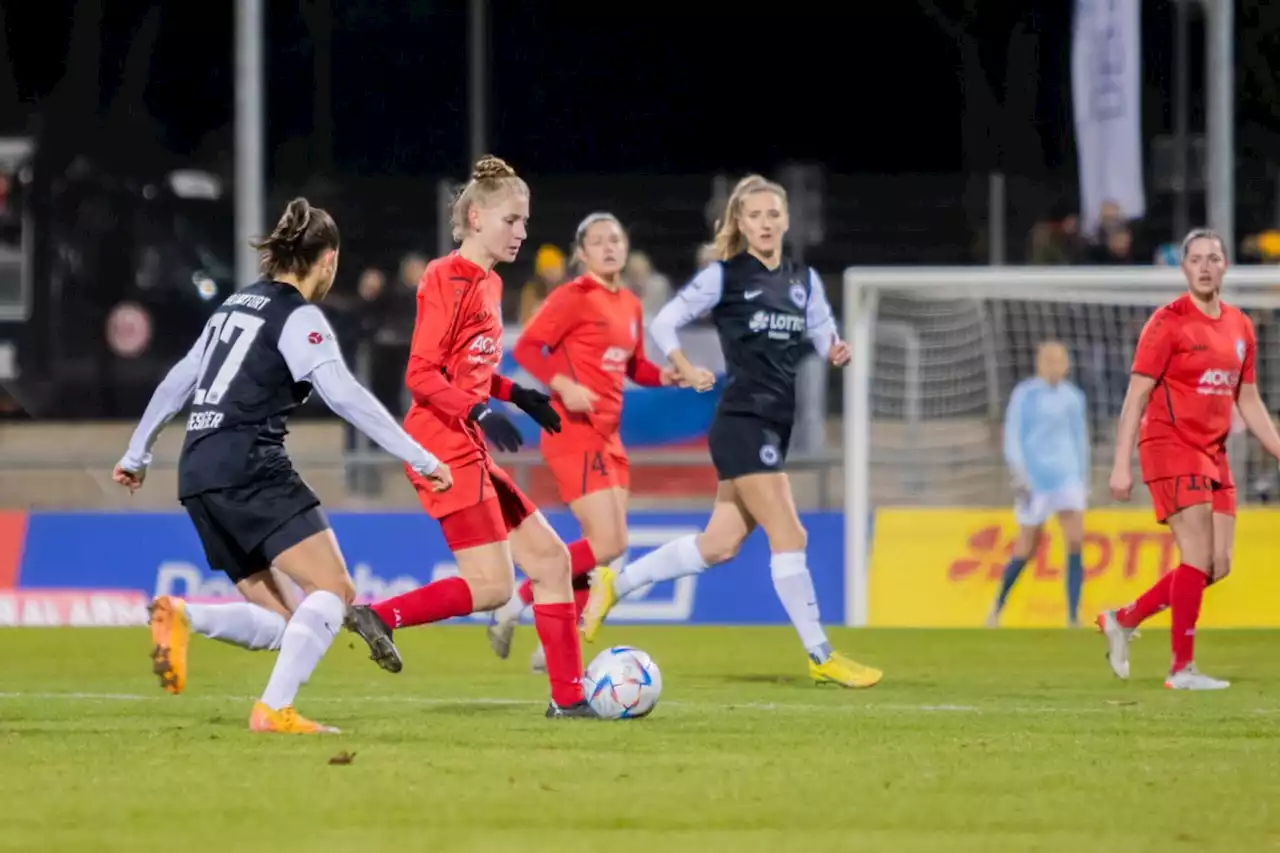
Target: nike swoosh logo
(751,294)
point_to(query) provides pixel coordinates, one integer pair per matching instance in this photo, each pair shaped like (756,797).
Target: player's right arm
(170,396)
(1014,449)
(310,348)
(430,350)
(545,333)
(696,298)
(1150,361)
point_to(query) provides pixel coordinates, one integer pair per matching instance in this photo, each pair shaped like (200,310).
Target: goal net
(938,351)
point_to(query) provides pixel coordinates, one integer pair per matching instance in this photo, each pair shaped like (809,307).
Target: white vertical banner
(1106,88)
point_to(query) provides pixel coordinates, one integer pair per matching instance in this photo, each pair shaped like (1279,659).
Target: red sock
(1186,594)
(581,558)
(1148,604)
(558,631)
(581,561)
(434,602)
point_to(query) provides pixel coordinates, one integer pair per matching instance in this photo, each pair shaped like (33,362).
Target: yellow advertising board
(941,568)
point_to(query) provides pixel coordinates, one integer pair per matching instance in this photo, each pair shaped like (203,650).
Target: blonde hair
(490,178)
(729,240)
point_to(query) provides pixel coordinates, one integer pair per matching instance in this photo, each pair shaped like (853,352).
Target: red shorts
(588,463)
(1171,495)
(497,507)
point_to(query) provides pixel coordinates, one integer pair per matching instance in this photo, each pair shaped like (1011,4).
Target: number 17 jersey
(249,352)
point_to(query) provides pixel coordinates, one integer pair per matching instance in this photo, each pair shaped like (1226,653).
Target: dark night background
(907,105)
(673,88)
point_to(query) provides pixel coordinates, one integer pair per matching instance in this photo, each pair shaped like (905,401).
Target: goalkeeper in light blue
(1046,447)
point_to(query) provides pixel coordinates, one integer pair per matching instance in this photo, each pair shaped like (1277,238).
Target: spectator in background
(548,273)
(376,356)
(653,288)
(1116,247)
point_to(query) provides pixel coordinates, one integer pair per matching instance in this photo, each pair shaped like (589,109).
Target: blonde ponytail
(490,178)
(729,240)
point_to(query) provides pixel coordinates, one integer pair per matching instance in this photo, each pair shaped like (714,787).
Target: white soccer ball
(622,683)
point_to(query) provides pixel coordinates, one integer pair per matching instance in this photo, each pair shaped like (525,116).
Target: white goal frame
(1152,286)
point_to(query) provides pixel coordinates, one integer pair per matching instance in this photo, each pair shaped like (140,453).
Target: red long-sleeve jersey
(595,336)
(453,359)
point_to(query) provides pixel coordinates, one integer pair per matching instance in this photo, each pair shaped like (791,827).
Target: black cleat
(362,621)
(581,709)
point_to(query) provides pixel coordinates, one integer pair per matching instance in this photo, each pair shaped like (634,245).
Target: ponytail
(301,235)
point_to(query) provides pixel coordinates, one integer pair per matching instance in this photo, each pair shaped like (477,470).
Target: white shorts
(1036,508)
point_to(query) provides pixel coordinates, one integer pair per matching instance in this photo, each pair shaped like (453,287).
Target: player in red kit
(487,521)
(1194,363)
(584,342)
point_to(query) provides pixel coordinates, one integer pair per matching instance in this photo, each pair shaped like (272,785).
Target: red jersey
(595,336)
(457,344)
(1198,363)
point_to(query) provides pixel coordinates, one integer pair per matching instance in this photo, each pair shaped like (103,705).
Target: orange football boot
(170,636)
(286,721)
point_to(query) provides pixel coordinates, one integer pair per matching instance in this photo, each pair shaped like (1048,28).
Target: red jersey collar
(470,269)
(588,278)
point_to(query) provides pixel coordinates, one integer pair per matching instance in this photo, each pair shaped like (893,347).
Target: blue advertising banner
(388,554)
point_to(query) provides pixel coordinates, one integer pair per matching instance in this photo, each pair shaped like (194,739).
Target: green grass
(975,741)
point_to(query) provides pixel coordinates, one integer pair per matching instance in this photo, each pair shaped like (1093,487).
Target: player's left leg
(1072,523)
(305,551)
(542,555)
(768,498)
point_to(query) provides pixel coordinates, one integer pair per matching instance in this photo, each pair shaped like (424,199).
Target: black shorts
(244,528)
(747,444)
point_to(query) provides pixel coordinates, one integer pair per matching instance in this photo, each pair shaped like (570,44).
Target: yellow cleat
(600,602)
(839,669)
(286,721)
(170,636)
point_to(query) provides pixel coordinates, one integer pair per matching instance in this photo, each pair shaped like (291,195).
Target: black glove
(497,427)
(536,405)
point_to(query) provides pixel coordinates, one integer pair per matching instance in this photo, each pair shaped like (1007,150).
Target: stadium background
(930,133)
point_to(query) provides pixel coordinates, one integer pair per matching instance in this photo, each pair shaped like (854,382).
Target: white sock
(510,612)
(242,624)
(676,559)
(306,638)
(794,585)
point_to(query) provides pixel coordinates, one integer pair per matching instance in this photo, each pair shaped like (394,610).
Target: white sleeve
(696,298)
(170,396)
(307,341)
(351,401)
(820,322)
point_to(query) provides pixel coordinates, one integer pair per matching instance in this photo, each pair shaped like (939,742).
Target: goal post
(937,351)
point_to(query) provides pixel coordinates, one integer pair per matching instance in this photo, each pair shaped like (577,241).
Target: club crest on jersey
(1240,350)
(799,295)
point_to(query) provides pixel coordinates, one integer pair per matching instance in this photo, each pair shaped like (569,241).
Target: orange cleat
(286,721)
(170,636)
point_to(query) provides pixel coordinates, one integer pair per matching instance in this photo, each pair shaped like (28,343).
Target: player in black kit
(768,312)
(257,359)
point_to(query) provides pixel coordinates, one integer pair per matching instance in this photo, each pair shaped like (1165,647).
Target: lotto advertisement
(941,568)
(101,569)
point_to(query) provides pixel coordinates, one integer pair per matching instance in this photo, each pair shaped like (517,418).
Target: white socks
(306,639)
(676,559)
(242,624)
(794,585)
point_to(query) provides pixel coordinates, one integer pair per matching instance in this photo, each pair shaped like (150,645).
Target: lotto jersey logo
(780,326)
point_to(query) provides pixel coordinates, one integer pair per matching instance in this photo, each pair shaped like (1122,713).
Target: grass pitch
(975,741)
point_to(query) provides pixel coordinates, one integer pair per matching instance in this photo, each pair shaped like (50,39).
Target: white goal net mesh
(948,346)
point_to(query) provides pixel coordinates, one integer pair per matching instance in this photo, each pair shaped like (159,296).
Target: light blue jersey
(1045,444)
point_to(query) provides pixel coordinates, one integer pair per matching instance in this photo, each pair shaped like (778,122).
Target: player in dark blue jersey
(257,359)
(769,312)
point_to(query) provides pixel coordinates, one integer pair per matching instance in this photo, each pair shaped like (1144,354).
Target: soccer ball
(622,683)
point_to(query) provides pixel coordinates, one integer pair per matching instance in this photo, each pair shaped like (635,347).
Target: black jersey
(249,354)
(767,320)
